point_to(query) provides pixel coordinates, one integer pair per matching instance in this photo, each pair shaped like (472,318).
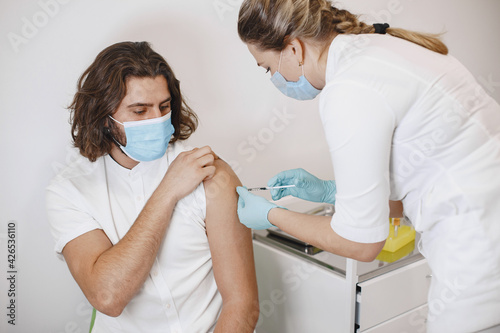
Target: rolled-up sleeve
(67,214)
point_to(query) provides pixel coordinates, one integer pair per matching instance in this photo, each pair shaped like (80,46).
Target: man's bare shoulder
(224,181)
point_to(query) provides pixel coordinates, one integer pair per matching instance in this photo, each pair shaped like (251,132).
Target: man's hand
(188,170)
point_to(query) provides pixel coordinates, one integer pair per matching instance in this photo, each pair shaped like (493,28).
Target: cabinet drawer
(413,321)
(389,295)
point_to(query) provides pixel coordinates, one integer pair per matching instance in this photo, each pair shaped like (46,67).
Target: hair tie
(380,28)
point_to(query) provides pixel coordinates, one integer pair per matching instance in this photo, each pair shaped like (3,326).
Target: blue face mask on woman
(301,90)
(147,140)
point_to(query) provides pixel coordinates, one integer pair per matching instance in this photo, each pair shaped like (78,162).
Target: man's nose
(155,112)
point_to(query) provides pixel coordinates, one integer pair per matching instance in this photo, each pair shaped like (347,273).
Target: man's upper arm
(230,241)
(81,254)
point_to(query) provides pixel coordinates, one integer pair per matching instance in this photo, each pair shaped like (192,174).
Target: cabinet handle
(428,276)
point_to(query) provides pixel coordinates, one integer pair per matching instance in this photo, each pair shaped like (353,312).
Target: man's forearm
(121,271)
(240,317)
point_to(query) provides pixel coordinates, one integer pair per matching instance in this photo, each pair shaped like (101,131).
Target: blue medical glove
(253,210)
(307,186)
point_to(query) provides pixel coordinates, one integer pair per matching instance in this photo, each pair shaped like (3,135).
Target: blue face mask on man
(301,90)
(147,140)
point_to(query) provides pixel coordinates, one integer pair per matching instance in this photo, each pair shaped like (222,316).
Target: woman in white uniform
(404,121)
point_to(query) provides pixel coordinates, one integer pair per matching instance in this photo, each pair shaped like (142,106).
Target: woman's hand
(253,210)
(307,186)
(188,170)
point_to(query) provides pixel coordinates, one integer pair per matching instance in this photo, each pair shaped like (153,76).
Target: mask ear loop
(116,120)
(113,137)
(279,63)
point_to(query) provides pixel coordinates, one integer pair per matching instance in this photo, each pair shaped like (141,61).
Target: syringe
(266,188)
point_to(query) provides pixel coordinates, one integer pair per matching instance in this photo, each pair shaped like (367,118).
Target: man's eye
(139,112)
(165,107)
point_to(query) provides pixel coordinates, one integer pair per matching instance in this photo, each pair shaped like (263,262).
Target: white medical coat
(405,123)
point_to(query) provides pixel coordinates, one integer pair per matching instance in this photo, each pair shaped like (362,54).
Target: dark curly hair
(102,87)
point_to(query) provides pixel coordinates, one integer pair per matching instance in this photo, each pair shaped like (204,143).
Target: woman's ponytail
(269,24)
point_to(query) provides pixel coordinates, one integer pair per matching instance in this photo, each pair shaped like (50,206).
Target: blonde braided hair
(271,24)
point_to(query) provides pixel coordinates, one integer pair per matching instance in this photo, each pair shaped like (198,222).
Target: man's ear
(106,128)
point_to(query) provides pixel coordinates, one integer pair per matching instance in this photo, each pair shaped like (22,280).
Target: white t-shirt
(180,294)
(405,123)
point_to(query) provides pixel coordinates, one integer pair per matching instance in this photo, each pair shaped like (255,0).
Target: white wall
(233,98)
